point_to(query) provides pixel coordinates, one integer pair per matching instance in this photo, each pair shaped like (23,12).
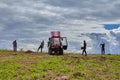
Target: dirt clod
(78,74)
(62,78)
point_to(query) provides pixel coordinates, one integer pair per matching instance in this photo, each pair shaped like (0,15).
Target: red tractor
(57,44)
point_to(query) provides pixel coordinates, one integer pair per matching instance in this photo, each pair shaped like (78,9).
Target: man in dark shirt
(84,48)
(14,45)
(102,48)
(41,46)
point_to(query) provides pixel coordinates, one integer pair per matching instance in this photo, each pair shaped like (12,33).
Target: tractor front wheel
(50,52)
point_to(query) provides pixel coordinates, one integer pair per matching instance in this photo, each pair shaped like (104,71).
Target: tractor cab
(58,43)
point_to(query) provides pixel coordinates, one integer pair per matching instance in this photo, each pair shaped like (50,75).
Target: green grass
(26,66)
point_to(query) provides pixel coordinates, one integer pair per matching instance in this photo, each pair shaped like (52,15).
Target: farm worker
(49,43)
(14,45)
(84,48)
(41,46)
(102,45)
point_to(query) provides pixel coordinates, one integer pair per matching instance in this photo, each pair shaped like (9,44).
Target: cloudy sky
(31,21)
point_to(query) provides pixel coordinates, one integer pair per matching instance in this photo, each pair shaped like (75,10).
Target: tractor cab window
(56,40)
(64,42)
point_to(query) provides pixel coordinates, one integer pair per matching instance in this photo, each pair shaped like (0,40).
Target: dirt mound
(29,51)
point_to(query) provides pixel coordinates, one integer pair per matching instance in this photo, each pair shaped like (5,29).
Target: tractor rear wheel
(61,52)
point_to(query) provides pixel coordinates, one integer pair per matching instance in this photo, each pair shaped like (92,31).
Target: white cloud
(33,20)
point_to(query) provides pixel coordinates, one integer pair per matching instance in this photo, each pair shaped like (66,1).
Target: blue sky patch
(111,26)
